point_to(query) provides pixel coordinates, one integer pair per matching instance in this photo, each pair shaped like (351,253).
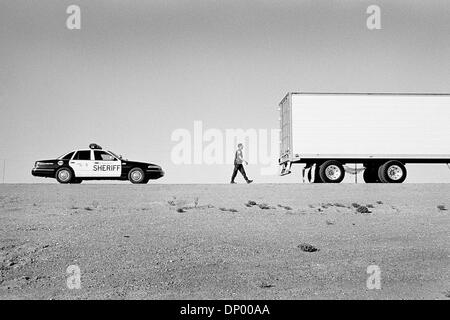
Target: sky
(138,73)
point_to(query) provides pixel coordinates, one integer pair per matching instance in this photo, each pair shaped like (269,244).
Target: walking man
(238,165)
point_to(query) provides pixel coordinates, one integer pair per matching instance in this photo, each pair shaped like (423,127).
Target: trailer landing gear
(286,168)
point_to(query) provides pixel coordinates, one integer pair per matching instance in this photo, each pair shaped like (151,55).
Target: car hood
(47,160)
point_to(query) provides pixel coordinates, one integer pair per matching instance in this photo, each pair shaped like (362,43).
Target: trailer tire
(332,171)
(392,171)
(370,175)
(317,178)
(381,174)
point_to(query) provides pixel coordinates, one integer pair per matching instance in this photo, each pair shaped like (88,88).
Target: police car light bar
(94,146)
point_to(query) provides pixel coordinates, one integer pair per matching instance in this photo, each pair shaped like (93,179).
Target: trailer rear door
(285,129)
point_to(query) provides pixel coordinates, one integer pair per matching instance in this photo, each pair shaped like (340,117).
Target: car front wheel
(136,175)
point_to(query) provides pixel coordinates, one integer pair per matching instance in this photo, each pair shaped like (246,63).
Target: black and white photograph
(224,154)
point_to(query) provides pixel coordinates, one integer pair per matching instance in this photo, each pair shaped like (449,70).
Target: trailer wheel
(370,175)
(392,172)
(331,171)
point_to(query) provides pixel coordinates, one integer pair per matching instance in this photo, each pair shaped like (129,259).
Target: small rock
(363,209)
(307,247)
(226,209)
(10,263)
(265,285)
(284,207)
(339,205)
(264,206)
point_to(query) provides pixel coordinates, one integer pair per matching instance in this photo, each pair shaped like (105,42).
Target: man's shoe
(249,181)
(232,182)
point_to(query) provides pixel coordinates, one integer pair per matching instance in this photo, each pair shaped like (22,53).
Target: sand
(203,241)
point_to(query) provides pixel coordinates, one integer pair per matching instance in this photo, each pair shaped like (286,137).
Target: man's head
(240,146)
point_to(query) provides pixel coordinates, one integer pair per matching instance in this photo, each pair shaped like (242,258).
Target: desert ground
(161,241)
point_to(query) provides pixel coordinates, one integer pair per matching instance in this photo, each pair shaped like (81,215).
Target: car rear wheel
(332,171)
(136,175)
(64,175)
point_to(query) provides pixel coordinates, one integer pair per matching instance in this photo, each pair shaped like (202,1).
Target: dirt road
(203,242)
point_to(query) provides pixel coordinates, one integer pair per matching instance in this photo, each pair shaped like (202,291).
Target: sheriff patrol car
(95,164)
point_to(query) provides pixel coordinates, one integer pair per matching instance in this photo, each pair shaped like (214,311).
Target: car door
(82,164)
(106,165)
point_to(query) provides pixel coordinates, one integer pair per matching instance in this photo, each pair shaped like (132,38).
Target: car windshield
(64,154)
(115,155)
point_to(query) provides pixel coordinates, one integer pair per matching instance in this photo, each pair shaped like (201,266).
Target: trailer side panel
(368,124)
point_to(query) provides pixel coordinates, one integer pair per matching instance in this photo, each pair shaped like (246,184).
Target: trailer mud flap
(309,173)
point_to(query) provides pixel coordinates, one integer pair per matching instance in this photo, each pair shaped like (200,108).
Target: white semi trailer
(383,132)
